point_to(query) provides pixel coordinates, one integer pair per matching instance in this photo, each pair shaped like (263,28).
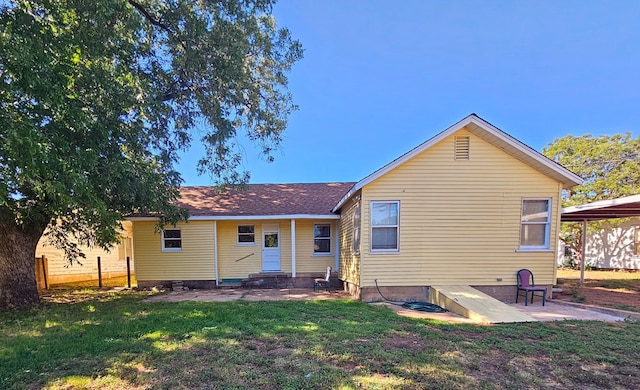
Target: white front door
(270,248)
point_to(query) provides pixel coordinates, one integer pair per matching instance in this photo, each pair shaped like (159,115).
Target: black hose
(413,305)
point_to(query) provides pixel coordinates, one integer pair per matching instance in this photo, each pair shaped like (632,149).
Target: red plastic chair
(526,284)
(319,282)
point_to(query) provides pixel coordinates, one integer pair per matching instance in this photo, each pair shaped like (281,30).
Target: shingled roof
(263,199)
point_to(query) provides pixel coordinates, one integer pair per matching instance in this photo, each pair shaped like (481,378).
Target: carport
(628,206)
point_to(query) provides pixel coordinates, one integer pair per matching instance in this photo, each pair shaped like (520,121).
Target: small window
(171,240)
(246,235)
(384,226)
(356,229)
(535,224)
(322,238)
(636,241)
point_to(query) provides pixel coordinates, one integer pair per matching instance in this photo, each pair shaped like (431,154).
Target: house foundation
(259,280)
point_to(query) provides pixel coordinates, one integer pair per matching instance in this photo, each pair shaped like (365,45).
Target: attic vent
(461,148)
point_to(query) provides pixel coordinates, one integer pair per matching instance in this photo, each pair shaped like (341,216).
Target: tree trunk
(18,286)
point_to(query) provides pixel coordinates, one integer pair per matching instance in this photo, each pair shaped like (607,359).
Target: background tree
(98,97)
(610,167)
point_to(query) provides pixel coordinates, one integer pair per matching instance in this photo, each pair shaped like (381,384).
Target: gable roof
(485,130)
(263,201)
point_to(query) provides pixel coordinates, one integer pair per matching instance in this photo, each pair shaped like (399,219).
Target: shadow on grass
(119,341)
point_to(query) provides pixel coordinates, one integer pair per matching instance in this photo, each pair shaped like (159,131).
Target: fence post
(128,272)
(44,272)
(99,273)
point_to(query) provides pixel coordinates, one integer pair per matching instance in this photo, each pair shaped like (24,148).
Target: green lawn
(107,340)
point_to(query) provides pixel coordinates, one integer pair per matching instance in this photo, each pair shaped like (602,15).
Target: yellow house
(470,206)
(269,235)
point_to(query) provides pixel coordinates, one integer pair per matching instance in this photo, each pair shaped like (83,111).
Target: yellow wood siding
(459,219)
(112,261)
(349,261)
(59,270)
(238,261)
(306,260)
(194,262)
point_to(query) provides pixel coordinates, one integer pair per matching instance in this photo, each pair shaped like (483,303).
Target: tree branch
(149,17)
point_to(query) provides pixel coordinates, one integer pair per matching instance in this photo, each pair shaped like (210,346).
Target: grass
(98,339)
(631,276)
(614,289)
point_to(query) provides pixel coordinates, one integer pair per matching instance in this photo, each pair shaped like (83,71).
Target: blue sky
(380,77)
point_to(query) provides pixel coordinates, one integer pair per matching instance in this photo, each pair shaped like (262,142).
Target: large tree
(97,98)
(610,168)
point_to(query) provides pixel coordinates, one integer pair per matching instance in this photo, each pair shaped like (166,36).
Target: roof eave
(243,217)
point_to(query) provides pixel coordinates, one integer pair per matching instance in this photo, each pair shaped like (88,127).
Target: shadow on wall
(612,248)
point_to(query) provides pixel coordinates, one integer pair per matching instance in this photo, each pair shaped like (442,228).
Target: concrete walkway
(550,312)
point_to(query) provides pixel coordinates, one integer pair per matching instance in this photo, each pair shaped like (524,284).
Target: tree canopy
(97,98)
(609,166)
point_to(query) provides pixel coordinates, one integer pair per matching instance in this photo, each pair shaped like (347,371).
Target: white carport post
(293,248)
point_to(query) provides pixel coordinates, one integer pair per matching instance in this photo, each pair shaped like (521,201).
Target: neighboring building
(113,262)
(470,206)
(611,248)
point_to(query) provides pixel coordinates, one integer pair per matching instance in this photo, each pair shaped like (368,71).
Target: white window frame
(240,243)
(330,239)
(164,240)
(636,241)
(396,226)
(547,224)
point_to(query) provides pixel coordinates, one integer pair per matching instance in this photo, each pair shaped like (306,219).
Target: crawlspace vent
(461,148)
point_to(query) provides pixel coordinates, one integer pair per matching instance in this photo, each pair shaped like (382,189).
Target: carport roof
(628,206)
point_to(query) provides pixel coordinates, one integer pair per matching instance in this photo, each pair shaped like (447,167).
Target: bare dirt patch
(614,289)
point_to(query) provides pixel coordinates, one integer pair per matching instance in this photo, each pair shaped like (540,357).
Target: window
(636,241)
(535,224)
(384,226)
(322,238)
(246,235)
(171,240)
(356,229)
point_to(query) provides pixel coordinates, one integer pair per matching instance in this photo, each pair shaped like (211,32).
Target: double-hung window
(385,226)
(246,235)
(535,224)
(322,238)
(636,241)
(171,240)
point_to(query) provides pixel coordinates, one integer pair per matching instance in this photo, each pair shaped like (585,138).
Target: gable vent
(461,148)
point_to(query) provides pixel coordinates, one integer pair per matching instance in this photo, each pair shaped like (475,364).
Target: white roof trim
(602,204)
(244,217)
(488,127)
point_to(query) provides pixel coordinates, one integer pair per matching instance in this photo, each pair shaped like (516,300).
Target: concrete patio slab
(254,294)
(550,312)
